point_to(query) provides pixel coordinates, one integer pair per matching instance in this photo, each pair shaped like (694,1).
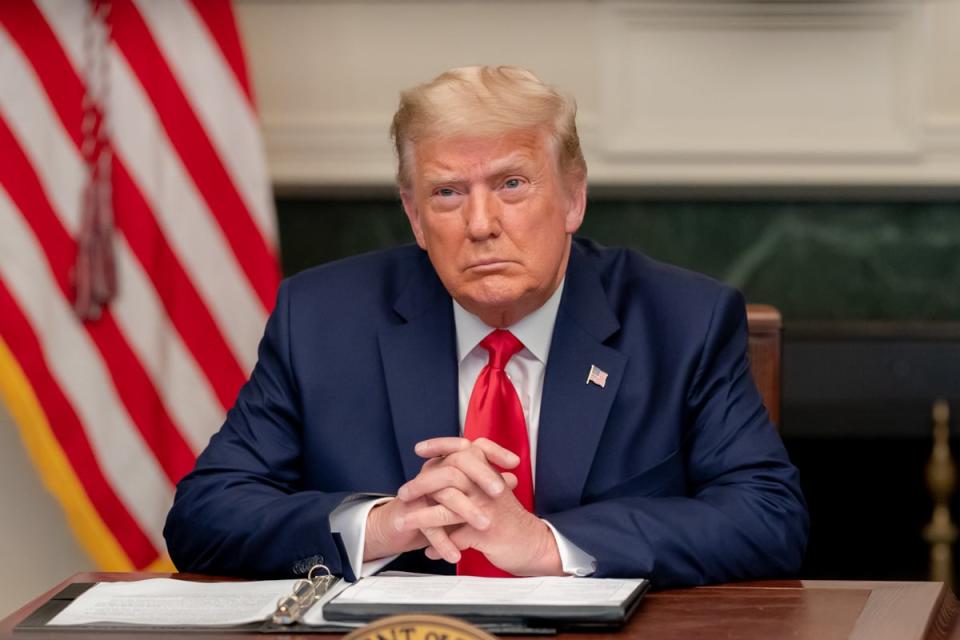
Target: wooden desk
(818,610)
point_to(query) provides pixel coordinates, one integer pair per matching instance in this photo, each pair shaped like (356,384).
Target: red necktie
(495,413)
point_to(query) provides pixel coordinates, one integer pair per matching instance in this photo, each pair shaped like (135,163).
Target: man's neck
(534,330)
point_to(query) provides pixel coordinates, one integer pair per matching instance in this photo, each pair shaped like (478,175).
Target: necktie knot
(502,345)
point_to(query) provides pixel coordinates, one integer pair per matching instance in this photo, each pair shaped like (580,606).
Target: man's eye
(512,183)
(445,192)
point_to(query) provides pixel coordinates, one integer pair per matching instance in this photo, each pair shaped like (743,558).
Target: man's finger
(441,544)
(432,553)
(463,506)
(433,479)
(444,446)
(436,535)
(466,470)
(435,447)
(430,517)
(500,456)
(464,538)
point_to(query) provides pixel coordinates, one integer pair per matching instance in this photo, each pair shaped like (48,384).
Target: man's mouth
(489,264)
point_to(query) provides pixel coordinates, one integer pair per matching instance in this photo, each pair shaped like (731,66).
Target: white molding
(873,57)
(760,109)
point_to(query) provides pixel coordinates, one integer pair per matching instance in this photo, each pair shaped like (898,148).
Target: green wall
(816,261)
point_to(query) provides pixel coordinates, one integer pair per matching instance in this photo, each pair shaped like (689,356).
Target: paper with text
(553,591)
(166,602)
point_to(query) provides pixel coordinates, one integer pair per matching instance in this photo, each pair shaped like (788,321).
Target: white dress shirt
(526,371)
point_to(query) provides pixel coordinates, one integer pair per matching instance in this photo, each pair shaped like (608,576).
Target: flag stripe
(81,373)
(28,28)
(47,452)
(132,384)
(125,461)
(183,216)
(193,146)
(187,311)
(216,99)
(186,393)
(68,430)
(37,126)
(217,15)
(184,305)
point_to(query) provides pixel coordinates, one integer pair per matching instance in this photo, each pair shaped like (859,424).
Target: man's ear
(577,206)
(413,215)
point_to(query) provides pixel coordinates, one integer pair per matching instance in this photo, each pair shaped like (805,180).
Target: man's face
(495,217)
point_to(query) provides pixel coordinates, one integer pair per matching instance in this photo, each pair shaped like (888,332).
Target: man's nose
(482,213)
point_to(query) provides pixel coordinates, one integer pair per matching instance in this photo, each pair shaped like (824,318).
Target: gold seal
(419,626)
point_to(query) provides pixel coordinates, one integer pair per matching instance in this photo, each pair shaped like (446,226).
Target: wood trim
(765,325)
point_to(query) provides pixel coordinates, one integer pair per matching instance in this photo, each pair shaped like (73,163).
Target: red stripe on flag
(68,430)
(221,23)
(29,29)
(132,382)
(183,304)
(198,155)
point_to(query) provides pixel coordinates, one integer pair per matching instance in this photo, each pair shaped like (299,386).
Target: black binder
(343,615)
(527,618)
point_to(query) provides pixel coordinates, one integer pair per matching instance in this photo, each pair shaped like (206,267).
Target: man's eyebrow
(442,178)
(515,160)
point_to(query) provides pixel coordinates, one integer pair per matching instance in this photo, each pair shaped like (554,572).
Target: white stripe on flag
(75,364)
(174,373)
(67,18)
(183,216)
(185,391)
(32,119)
(217,99)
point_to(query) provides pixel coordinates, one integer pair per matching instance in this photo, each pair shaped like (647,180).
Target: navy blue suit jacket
(673,471)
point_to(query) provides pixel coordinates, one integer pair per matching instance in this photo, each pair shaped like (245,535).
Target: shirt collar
(535,330)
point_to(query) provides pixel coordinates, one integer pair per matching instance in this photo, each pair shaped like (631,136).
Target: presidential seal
(419,626)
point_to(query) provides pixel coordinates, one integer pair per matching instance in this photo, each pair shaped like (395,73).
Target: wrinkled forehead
(497,152)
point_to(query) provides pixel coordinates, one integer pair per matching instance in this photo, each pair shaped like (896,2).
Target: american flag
(597,376)
(129,140)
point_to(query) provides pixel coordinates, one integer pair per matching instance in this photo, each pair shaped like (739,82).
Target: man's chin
(496,306)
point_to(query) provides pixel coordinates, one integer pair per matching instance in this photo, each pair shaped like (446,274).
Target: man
(500,398)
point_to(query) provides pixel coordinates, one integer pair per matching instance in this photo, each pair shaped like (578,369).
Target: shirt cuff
(349,519)
(575,561)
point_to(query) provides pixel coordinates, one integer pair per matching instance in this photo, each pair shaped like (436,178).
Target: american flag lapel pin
(597,376)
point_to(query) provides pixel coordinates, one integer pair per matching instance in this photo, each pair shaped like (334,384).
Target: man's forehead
(454,154)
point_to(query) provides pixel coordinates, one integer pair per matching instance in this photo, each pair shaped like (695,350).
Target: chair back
(766,328)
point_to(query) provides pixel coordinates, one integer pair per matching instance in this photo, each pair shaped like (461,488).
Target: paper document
(166,602)
(550,591)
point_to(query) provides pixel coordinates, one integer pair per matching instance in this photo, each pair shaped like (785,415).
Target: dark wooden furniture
(766,327)
(818,610)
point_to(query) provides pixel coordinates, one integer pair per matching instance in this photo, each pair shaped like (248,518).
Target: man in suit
(500,398)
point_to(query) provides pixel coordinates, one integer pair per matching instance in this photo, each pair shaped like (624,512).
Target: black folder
(344,615)
(525,618)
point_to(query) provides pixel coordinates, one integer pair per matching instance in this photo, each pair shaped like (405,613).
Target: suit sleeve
(241,511)
(742,515)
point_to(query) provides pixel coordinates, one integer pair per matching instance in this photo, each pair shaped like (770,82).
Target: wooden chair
(766,326)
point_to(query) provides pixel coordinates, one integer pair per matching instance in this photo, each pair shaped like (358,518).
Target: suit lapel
(573,412)
(420,366)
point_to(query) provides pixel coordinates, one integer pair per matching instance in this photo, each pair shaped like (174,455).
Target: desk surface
(818,610)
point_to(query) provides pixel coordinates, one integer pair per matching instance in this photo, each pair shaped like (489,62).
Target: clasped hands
(459,500)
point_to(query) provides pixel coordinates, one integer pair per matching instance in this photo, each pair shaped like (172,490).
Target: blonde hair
(486,101)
